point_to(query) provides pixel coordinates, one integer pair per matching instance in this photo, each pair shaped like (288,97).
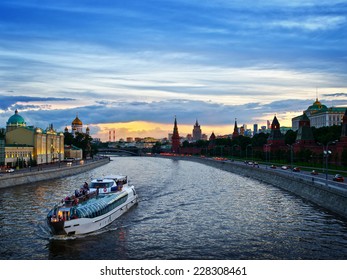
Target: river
(186,211)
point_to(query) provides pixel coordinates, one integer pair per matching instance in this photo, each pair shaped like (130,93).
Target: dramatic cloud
(131,61)
(8,102)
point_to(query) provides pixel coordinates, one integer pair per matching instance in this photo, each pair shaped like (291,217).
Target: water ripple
(186,211)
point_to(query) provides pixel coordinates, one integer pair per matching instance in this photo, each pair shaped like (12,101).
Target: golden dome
(76,121)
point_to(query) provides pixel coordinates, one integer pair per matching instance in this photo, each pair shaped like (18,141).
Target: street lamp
(326,154)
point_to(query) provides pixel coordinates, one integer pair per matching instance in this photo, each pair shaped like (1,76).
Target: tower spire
(175,138)
(236,130)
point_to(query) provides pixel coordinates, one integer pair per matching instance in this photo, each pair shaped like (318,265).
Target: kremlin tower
(236,131)
(175,139)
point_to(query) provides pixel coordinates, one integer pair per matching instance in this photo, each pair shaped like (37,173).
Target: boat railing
(74,200)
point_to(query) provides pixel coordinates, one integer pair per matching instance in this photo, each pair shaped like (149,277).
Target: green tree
(344,157)
(327,133)
(290,137)
(82,141)
(260,139)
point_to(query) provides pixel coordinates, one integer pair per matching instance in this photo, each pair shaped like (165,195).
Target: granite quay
(49,172)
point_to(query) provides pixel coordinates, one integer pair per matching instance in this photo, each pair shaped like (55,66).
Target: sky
(134,65)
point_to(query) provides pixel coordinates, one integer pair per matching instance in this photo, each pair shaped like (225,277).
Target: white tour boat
(93,207)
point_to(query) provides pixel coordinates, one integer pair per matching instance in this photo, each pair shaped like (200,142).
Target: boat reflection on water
(86,247)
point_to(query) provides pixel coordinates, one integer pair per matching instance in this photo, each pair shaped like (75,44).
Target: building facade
(320,115)
(2,146)
(27,143)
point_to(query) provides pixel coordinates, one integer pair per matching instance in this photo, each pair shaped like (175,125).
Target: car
(273,166)
(296,169)
(10,170)
(314,172)
(284,167)
(338,178)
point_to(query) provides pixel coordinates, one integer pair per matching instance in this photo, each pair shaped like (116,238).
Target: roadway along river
(186,211)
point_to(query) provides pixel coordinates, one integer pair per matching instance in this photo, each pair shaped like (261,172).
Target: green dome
(317,106)
(16,119)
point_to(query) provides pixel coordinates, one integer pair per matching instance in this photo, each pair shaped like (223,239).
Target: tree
(82,141)
(156,149)
(344,157)
(327,133)
(260,139)
(290,137)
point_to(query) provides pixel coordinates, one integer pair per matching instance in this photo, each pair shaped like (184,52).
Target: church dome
(76,121)
(16,120)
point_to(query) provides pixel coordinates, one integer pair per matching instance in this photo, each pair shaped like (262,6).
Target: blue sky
(122,62)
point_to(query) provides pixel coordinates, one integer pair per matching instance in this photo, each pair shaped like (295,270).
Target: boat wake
(82,236)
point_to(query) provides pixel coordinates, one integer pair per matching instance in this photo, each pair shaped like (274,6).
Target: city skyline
(134,66)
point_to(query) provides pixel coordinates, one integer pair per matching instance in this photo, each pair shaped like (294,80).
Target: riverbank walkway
(49,171)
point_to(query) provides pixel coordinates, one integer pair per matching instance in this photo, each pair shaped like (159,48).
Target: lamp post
(326,154)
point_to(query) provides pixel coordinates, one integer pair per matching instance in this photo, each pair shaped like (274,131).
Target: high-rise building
(255,128)
(196,131)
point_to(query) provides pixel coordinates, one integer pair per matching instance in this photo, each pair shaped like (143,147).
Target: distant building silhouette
(212,140)
(175,139)
(236,130)
(255,129)
(196,131)
(275,140)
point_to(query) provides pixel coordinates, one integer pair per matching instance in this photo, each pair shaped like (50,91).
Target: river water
(186,211)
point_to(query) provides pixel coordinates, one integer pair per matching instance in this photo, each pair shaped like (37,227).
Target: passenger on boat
(77,193)
(75,201)
(119,185)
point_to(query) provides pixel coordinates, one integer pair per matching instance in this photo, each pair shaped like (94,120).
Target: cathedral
(77,127)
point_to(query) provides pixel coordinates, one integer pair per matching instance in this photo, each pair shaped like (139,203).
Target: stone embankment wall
(15,179)
(328,197)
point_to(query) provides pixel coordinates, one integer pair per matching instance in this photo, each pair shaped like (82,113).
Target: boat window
(101,184)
